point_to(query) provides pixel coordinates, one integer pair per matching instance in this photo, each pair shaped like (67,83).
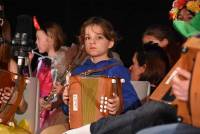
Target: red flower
(171,15)
(179,3)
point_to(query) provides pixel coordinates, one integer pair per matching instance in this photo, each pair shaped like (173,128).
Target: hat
(188,28)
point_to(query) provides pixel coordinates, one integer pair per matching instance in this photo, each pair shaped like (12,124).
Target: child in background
(149,64)
(166,38)
(49,39)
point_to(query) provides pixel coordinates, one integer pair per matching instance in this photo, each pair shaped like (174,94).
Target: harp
(7,110)
(189,112)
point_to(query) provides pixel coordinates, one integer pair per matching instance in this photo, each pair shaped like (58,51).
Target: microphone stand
(20,63)
(24,62)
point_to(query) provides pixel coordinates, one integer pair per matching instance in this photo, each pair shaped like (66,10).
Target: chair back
(142,88)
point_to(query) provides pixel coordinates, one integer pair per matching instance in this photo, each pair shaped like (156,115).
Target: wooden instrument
(73,57)
(88,98)
(7,110)
(190,60)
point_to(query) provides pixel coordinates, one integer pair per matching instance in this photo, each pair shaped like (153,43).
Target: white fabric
(82,130)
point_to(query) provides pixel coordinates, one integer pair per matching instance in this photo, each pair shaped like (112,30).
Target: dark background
(129,17)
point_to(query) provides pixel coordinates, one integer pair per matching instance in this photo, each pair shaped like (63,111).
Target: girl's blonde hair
(55,31)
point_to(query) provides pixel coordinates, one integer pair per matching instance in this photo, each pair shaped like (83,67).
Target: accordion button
(15,77)
(105,107)
(27,81)
(11,124)
(113,81)
(106,98)
(105,111)
(102,98)
(101,110)
(105,102)
(122,80)
(101,106)
(101,102)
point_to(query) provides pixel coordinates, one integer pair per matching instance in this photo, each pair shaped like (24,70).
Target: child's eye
(87,38)
(100,37)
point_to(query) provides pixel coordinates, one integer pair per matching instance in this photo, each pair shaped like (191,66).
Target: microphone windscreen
(24,25)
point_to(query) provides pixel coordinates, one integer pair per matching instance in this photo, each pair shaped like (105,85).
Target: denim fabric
(150,114)
(176,128)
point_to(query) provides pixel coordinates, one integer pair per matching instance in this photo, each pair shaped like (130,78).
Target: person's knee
(56,129)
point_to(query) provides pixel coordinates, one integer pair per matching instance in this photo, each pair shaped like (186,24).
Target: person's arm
(12,66)
(22,106)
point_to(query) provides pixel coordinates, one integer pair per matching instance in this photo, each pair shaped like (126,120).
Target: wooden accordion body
(88,98)
(7,110)
(190,60)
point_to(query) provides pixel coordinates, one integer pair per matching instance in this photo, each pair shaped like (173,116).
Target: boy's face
(96,44)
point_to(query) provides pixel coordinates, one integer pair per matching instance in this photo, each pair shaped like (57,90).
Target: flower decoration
(191,5)
(179,3)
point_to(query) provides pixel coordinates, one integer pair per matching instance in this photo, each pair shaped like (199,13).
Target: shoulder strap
(90,71)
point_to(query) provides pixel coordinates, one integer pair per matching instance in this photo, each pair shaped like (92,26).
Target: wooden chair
(31,95)
(142,88)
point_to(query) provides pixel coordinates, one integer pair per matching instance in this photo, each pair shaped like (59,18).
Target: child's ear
(143,68)
(111,44)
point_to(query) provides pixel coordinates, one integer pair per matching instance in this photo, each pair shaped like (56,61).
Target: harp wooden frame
(189,60)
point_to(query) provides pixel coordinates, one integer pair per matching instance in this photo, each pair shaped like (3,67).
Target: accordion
(18,83)
(88,98)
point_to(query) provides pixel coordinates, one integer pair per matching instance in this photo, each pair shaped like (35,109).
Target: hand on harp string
(179,80)
(44,105)
(180,84)
(50,102)
(58,88)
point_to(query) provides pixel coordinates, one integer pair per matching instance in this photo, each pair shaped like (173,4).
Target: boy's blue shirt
(130,98)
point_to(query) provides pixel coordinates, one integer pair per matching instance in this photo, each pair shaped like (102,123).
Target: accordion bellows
(88,98)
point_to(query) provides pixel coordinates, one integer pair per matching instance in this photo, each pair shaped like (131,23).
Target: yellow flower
(173,13)
(193,6)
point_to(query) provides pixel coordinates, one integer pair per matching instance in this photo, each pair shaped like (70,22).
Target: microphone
(22,42)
